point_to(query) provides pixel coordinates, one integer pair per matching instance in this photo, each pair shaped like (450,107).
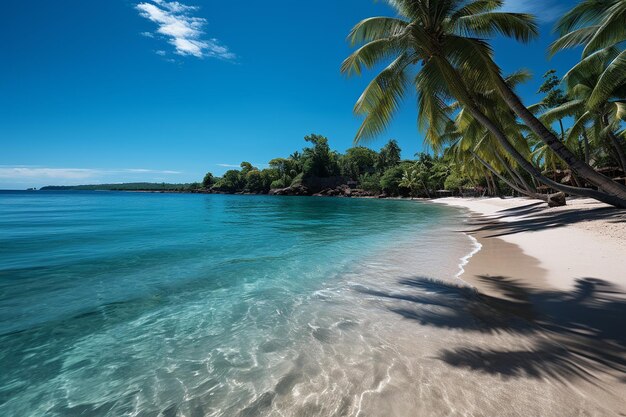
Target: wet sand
(404,338)
(562,272)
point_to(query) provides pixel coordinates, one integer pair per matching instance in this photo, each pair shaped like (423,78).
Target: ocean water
(133,304)
(171,305)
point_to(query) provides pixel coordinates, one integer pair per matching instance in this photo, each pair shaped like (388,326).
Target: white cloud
(546,10)
(183,31)
(61,173)
(239,166)
(149,171)
(27,172)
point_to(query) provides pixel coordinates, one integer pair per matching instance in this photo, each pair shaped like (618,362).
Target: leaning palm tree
(600,27)
(603,117)
(441,39)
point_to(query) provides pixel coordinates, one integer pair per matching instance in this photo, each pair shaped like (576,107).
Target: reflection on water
(176,305)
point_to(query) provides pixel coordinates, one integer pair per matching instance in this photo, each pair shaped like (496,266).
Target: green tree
(411,180)
(358,161)
(319,160)
(254,182)
(598,26)
(231,181)
(389,156)
(208,180)
(443,41)
(370,182)
(391,180)
(268,176)
(554,96)
(246,167)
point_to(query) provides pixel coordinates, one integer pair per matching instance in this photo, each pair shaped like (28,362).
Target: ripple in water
(183,305)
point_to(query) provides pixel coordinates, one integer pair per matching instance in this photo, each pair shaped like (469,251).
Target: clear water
(120,304)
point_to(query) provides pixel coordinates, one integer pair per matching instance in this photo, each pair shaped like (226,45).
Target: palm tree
(599,26)
(411,180)
(605,117)
(441,40)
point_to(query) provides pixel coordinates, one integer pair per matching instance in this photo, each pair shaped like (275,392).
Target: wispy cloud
(546,10)
(61,173)
(239,165)
(28,172)
(149,171)
(184,31)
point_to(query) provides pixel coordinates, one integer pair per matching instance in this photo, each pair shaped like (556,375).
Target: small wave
(465,260)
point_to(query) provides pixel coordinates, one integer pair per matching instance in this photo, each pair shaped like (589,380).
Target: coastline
(563,271)
(584,239)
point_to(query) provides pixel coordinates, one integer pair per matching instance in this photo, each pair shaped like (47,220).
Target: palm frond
(573,39)
(382,97)
(611,32)
(613,76)
(370,54)
(570,108)
(519,26)
(376,28)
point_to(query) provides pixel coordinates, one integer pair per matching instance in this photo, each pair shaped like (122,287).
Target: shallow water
(115,304)
(124,303)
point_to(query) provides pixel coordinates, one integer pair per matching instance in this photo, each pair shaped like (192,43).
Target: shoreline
(585,239)
(562,270)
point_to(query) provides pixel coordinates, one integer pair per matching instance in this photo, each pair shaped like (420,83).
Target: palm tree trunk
(514,174)
(579,167)
(562,130)
(605,197)
(617,145)
(502,177)
(506,180)
(619,149)
(587,150)
(532,170)
(426,189)
(496,189)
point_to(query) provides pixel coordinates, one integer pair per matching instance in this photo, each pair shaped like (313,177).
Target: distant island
(131,186)
(359,172)
(319,170)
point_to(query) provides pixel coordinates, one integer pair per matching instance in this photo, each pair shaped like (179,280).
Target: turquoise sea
(139,304)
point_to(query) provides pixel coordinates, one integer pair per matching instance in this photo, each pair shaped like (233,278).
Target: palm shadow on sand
(536,216)
(575,333)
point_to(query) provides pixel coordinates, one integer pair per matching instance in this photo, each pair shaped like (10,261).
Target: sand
(584,239)
(563,270)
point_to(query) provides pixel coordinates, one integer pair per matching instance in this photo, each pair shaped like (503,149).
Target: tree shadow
(543,360)
(539,218)
(574,334)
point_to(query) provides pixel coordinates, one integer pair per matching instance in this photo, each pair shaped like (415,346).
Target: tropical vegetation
(469,111)
(374,173)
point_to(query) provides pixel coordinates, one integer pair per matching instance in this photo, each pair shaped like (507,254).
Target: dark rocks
(319,184)
(343,191)
(293,190)
(361,193)
(557,200)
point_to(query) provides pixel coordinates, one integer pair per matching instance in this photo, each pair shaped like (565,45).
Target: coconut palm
(411,180)
(441,41)
(583,82)
(600,27)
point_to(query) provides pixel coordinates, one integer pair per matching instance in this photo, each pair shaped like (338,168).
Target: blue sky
(119,90)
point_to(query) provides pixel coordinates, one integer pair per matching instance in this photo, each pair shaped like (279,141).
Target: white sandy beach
(566,268)
(584,239)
